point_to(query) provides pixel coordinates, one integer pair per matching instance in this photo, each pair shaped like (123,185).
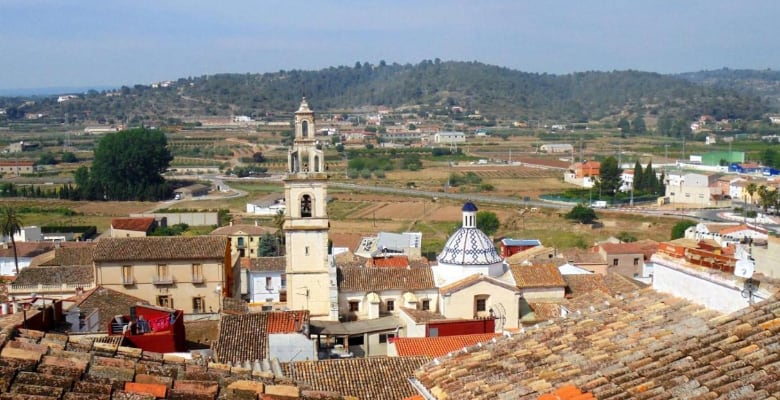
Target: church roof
(469,246)
(378,279)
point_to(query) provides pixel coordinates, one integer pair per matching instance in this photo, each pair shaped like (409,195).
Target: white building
(266,281)
(449,137)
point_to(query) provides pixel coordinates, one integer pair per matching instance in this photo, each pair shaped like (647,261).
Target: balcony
(198,278)
(128,280)
(163,280)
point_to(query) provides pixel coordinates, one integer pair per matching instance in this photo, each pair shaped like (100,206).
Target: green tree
(624,125)
(10,225)
(278,223)
(638,125)
(268,246)
(678,230)
(128,165)
(609,180)
(626,237)
(581,214)
(487,222)
(69,157)
(47,158)
(639,183)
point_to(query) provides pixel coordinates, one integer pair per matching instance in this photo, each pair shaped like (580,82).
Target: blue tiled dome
(469,246)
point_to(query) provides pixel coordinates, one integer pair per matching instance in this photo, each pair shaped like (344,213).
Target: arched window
(316,163)
(305,128)
(306,206)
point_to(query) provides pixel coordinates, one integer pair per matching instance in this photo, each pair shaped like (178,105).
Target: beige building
(370,292)
(17,167)
(311,276)
(244,238)
(480,296)
(628,259)
(192,274)
(132,227)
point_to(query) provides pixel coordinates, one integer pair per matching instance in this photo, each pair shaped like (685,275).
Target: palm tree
(278,222)
(767,197)
(10,225)
(751,189)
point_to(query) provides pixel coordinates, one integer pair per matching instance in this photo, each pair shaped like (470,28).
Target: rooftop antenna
(744,268)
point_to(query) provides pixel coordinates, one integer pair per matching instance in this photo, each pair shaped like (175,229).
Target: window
(268,283)
(390,305)
(165,301)
(197,273)
(305,128)
(163,276)
(433,332)
(426,305)
(306,250)
(127,274)
(306,206)
(354,306)
(385,337)
(614,262)
(198,305)
(284,281)
(636,261)
(481,305)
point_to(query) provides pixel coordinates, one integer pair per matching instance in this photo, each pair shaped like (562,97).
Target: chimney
(231,223)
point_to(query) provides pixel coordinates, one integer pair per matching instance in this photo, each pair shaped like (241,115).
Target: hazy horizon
(53,44)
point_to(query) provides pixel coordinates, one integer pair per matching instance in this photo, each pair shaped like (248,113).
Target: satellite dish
(745,268)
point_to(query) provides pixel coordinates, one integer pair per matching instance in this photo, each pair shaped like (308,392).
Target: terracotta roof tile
(133,224)
(438,346)
(265,264)
(639,345)
(472,280)
(539,275)
(421,316)
(287,321)
(27,249)
(160,248)
(585,283)
(390,262)
(70,256)
(242,337)
(378,279)
(81,274)
(363,378)
(619,284)
(108,302)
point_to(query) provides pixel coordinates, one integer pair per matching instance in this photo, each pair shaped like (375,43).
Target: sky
(99,43)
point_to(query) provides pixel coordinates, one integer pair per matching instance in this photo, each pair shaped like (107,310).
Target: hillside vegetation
(427,87)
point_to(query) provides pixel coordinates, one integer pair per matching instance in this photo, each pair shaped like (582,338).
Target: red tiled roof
(739,228)
(585,283)
(27,249)
(265,264)
(438,346)
(132,224)
(161,248)
(391,262)
(472,280)
(537,275)
(287,321)
(376,279)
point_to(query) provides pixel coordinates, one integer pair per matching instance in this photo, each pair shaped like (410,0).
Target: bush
(581,214)
(678,230)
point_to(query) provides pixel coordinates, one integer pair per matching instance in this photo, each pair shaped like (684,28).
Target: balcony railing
(40,289)
(163,280)
(128,280)
(198,278)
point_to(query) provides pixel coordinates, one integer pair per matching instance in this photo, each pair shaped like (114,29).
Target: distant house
(388,243)
(17,167)
(583,173)
(510,246)
(244,238)
(266,208)
(59,273)
(628,259)
(132,227)
(449,137)
(266,282)
(556,148)
(267,337)
(695,189)
(191,191)
(480,296)
(26,234)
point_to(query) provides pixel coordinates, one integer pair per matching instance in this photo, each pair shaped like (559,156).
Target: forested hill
(429,85)
(764,83)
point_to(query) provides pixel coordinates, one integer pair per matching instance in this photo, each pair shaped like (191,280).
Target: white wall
(712,289)
(291,347)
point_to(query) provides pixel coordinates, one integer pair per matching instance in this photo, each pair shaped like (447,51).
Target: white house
(266,281)
(449,137)
(266,209)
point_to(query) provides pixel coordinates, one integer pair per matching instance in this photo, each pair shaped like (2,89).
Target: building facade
(192,274)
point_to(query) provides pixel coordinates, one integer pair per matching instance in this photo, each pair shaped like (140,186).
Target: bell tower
(311,279)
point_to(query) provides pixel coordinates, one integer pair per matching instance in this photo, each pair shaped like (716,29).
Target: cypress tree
(639,179)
